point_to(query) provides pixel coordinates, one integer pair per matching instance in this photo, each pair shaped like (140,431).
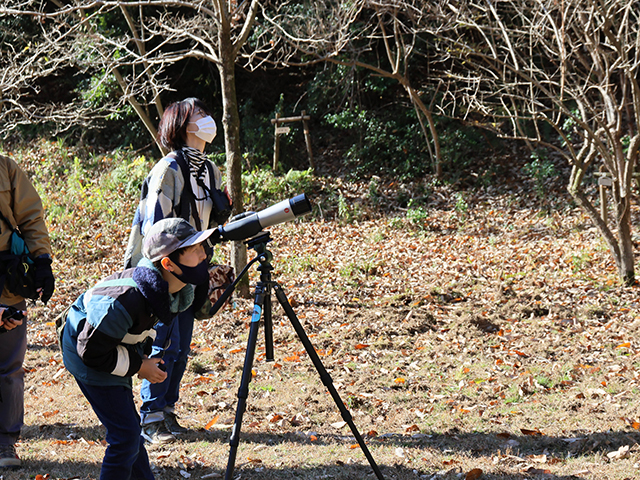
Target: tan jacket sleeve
(21,205)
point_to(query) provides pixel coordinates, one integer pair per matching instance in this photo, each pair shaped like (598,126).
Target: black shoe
(171,422)
(157,433)
(8,457)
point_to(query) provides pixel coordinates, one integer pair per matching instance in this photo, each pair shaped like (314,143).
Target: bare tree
(347,33)
(159,34)
(572,65)
(27,60)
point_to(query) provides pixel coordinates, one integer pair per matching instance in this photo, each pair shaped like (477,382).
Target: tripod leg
(324,376)
(243,391)
(268,327)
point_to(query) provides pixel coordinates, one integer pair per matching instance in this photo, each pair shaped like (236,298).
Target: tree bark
(231,124)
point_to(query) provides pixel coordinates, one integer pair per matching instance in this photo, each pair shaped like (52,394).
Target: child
(109,332)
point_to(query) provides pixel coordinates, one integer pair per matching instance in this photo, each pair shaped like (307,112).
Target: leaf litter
(497,344)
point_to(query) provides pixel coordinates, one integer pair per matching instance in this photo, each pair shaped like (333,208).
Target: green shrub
(128,175)
(387,142)
(418,216)
(262,188)
(540,169)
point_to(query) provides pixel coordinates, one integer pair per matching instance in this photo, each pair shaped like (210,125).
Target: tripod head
(259,242)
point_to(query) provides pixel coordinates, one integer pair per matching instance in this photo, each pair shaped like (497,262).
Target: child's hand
(149,370)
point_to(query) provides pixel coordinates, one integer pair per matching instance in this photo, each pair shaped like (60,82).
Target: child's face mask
(194,275)
(206,129)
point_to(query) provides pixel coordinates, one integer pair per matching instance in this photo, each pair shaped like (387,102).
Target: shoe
(171,422)
(8,457)
(157,433)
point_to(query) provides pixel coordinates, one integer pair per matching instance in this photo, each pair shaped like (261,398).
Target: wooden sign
(304,118)
(605,181)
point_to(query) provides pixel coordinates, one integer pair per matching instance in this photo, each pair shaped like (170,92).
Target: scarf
(198,168)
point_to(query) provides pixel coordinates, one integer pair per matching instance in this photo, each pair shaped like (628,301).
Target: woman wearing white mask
(182,185)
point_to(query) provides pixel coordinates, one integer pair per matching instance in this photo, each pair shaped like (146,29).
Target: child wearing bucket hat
(108,334)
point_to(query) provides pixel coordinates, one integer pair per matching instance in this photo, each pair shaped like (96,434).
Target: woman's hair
(172,130)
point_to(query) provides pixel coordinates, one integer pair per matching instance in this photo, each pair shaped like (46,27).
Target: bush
(262,188)
(387,142)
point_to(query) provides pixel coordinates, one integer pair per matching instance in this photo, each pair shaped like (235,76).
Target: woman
(182,184)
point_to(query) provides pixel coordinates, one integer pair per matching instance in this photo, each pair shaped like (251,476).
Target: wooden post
(304,118)
(276,145)
(307,139)
(603,182)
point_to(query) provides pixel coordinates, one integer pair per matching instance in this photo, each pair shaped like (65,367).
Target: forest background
(467,274)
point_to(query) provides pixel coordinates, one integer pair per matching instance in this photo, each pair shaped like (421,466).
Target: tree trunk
(626,267)
(231,122)
(621,247)
(420,107)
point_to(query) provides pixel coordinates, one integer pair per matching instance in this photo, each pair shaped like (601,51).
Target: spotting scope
(248,224)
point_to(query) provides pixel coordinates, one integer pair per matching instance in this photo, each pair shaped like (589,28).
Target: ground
(479,337)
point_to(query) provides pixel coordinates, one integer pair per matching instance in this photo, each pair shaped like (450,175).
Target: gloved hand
(44,277)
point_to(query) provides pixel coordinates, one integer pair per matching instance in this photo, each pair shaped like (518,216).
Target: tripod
(262,309)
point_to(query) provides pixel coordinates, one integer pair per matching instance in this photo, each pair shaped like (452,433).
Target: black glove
(44,277)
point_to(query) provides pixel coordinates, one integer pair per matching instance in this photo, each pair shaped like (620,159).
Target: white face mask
(206,129)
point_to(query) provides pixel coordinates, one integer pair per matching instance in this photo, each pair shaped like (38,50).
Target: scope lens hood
(300,205)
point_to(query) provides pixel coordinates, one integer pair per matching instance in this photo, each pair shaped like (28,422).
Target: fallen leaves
(632,423)
(211,422)
(473,474)
(622,452)
(399,343)
(274,418)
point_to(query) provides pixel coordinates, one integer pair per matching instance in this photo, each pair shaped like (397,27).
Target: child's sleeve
(100,341)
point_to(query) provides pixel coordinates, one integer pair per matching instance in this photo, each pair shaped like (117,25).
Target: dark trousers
(158,398)
(13,346)
(125,457)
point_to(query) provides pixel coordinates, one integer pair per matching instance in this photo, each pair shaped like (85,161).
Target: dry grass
(475,334)
(468,344)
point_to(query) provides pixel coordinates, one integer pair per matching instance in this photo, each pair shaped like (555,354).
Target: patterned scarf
(198,169)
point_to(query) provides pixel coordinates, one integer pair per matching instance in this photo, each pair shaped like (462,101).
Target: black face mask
(194,275)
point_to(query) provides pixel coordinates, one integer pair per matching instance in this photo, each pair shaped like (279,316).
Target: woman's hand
(150,370)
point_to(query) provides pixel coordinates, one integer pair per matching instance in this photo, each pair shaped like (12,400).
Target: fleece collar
(155,290)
